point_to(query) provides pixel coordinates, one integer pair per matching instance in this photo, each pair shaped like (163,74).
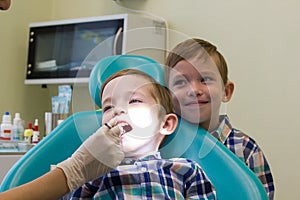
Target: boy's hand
(99,154)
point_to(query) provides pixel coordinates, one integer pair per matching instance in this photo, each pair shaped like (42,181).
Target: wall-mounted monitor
(65,51)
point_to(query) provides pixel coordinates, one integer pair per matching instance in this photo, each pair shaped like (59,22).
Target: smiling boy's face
(4,4)
(197,91)
(129,101)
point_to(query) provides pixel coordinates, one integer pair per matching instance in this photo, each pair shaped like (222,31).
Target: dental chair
(230,176)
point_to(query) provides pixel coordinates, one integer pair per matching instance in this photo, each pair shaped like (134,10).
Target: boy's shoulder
(181,160)
(184,162)
(226,131)
(185,167)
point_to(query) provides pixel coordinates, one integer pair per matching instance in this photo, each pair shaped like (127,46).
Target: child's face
(127,101)
(197,91)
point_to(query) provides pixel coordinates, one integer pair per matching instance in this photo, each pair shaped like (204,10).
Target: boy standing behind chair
(197,75)
(143,110)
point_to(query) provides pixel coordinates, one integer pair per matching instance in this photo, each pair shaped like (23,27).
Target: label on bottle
(5,134)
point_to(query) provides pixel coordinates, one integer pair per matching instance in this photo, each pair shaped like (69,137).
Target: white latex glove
(97,155)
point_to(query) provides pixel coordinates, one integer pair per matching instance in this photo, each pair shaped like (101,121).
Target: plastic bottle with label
(17,132)
(6,127)
(36,133)
(28,133)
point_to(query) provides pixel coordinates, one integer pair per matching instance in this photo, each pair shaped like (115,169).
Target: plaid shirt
(247,150)
(150,178)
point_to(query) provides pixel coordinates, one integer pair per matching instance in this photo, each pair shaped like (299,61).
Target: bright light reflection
(140,116)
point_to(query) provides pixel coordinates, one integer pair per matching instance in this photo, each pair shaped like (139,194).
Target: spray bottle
(36,133)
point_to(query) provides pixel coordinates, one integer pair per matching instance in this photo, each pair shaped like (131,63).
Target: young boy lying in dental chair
(121,159)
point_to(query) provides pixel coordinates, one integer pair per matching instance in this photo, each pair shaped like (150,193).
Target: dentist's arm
(97,155)
(52,185)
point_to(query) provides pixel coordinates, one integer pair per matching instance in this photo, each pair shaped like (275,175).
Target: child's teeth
(123,130)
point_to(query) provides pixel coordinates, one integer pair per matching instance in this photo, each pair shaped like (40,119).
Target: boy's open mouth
(125,128)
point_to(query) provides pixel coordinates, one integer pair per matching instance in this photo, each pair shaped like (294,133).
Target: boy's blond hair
(160,93)
(192,48)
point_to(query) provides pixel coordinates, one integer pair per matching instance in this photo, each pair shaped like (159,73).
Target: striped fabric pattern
(150,178)
(248,151)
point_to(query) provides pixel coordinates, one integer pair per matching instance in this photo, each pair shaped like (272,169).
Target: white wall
(260,40)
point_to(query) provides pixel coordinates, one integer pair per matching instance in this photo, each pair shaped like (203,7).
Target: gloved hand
(97,155)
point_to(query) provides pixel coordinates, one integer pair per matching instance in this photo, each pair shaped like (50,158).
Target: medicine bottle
(36,133)
(28,133)
(17,132)
(6,127)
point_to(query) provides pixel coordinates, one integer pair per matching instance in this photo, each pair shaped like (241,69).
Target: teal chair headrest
(112,64)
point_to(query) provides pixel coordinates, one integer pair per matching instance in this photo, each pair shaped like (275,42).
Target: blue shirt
(150,178)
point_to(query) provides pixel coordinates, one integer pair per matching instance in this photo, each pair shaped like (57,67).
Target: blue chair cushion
(109,65)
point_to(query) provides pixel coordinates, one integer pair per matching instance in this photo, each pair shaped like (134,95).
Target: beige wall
(30,101)
(260,40)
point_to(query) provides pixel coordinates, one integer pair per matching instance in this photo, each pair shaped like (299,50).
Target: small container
(36,133)
(6,127)
(24,146)
(48,123)
(17,128)
(28,133)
